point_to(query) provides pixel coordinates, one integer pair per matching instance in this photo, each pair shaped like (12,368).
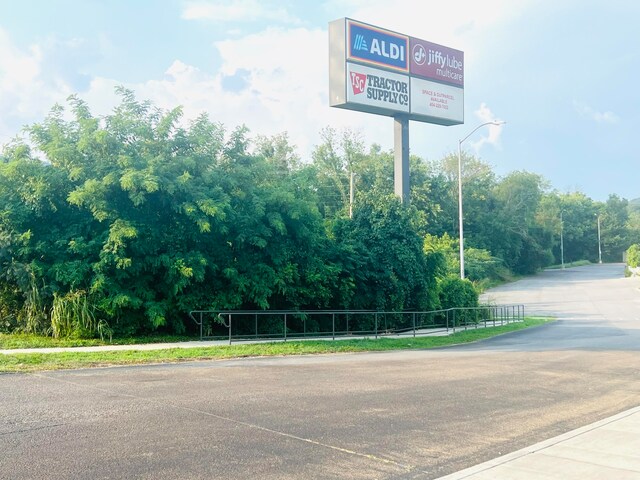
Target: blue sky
(563,74)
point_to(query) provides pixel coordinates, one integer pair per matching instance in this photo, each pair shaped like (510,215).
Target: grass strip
(31,362)
(24,340)
(577,263)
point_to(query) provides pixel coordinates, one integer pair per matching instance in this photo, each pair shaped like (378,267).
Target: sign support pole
(401,157)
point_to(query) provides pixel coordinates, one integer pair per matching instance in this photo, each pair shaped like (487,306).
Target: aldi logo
(378,47)
(360,43)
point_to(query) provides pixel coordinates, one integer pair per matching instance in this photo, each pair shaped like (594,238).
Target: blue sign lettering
(378,47)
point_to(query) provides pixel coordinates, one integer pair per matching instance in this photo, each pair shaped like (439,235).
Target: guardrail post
(414,324)
(285,327)
(229,329)
(333,322)
(200,326)
(453,314)
(375,316)
(256,318)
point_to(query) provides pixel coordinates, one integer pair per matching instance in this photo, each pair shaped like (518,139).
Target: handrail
(450,318)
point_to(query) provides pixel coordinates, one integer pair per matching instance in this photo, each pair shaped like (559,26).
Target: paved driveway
(413,414)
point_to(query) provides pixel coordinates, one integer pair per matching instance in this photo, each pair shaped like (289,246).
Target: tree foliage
(125,223)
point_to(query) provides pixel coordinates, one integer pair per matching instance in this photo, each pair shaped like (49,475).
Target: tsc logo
(358,82)
(419,54)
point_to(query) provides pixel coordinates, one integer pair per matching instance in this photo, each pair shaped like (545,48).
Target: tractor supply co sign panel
(378,71)
(377,88)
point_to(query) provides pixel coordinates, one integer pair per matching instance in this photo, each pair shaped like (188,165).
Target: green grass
(24,340)
(577,263)
(31,362)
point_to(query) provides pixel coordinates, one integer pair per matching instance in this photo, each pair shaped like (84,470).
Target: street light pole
(561,240)
(460,216)
(460,223)
(599,244)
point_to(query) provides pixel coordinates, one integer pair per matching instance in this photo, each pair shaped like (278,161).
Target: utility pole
(561,240)
(599,244)
(351,194)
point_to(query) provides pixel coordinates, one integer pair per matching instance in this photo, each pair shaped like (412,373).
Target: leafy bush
(633,255)
(456,292)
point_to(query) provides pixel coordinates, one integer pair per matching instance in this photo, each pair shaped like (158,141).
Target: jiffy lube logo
(419,54)
(378,47)
(433,61)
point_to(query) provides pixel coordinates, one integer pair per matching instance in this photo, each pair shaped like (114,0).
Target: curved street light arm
(479,127)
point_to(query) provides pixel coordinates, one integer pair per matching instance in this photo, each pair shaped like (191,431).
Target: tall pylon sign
(379,71)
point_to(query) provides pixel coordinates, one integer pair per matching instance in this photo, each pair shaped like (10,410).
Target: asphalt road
(399,415)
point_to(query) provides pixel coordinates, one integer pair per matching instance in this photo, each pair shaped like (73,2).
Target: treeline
(125,223)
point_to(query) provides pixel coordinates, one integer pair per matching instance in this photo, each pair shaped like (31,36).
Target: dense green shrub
(633,255)
(456,292)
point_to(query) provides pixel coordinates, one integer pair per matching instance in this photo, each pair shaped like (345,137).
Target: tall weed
(34,311)
(72,315)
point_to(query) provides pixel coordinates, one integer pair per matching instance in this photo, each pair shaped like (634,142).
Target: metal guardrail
(295,324)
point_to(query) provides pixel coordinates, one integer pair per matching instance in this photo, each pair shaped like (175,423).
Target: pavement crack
(369,456)
(31,429)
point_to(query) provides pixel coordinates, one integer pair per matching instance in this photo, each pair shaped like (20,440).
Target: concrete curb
(483,470)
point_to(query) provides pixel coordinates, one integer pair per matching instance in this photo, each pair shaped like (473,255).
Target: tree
(149,219)
(388,266)
(614,225)
(579,227)
(523,242)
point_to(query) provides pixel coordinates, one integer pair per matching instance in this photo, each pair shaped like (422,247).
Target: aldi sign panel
(375,70)
(375,46)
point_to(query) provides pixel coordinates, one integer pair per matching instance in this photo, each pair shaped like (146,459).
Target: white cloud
(485,115)
(600,117)
(236,11)
(26,94)
(278,92)
(460,24)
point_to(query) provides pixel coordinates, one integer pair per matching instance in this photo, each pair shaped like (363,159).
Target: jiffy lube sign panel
(378,47)
(436,62)
(377,88)
(379,71)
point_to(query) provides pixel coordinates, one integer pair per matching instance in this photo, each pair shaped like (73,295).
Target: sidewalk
(215,343)
(106,348)
(608,449)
